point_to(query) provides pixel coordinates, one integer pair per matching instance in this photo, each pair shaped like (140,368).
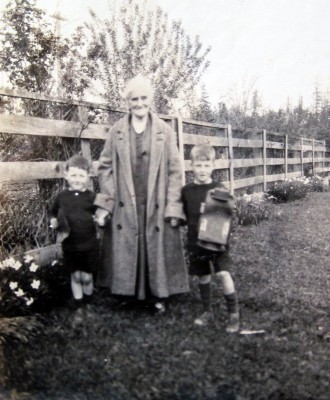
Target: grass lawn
(112,351)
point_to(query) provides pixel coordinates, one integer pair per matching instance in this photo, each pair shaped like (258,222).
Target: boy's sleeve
(173,208)
(55,207)
(103,201)
(184,204)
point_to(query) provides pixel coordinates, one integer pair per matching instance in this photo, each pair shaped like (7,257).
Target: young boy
(193,195)
(73,217)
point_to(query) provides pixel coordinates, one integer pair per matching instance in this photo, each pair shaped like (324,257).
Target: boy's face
(77,178)
(202,170)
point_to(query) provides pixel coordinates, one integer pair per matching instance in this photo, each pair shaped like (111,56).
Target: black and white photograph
(164,200)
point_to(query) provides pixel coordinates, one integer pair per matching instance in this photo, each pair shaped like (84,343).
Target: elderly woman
(141,178)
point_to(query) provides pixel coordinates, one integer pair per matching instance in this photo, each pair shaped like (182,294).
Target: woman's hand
(100,216)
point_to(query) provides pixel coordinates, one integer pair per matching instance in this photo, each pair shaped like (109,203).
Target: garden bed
(111,351)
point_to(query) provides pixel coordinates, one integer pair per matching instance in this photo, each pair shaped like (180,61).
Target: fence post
(231,157)
(286,149)
(302,155)
(323,157)
(313,158)
(264,153)
(84,143)
(179,125)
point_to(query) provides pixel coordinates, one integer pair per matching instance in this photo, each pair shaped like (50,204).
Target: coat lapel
(156,150)
(123,151)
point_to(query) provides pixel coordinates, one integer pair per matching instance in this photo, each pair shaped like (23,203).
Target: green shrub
(318,184)
(251,209)
(296,188)
(24,217)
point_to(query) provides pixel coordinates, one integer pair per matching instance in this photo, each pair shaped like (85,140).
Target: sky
(279,47)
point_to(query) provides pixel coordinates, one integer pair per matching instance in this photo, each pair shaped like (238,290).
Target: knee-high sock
(205,291)
(231,302)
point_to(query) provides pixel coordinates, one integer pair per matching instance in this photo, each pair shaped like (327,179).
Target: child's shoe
(204,319)
(88,298)
(74,304)
(233,323)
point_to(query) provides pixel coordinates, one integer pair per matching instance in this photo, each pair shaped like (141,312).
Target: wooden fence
(245,160)
(289,156)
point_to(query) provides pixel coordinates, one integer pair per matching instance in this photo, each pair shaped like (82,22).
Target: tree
(29,49)
(29,46)
(222,116)
(203,110)
(255,104)
(136,40)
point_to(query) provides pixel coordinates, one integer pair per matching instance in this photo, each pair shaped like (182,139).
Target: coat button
(121,204)
(157,206)
(157,229)
(119,227)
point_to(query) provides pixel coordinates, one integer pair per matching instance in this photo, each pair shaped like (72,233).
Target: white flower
(13,285)
(28,258)
(33,267)
(19,293)
(9,262)
(29,301)
(17,265)
(35,284)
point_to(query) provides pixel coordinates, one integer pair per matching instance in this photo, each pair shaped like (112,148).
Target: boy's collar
(204,183)
(80,191)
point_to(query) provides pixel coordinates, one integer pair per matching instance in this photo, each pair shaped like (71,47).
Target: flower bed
(297,188)
(27,288)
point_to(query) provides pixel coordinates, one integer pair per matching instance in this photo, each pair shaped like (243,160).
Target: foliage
(24,217)
(289,190)
(246,111)
(18,328)
(26,288)
(318,184)
(29,47)
(296,188)
(136,39)
(202,111)
(252,209)
(29,54)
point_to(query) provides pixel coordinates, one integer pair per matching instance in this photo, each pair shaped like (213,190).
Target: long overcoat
(167,271)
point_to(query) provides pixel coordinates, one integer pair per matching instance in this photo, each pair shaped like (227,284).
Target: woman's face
(139,102)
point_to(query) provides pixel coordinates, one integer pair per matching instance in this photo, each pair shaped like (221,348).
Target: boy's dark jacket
(193,195)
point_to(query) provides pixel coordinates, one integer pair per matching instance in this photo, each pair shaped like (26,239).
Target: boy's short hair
(78,161)
(202,152)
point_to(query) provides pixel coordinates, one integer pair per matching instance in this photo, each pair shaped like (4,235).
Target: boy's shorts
(86,261)
(199,261)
